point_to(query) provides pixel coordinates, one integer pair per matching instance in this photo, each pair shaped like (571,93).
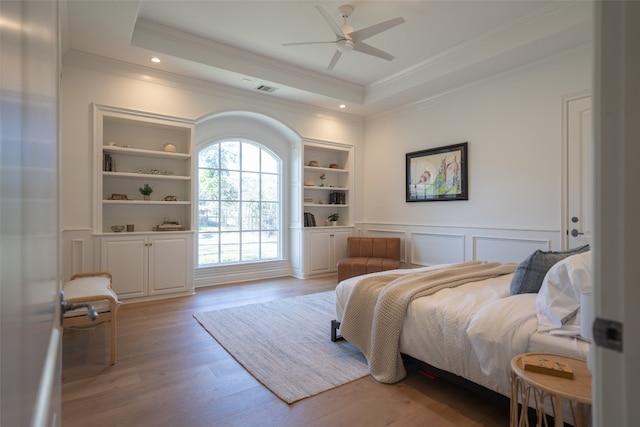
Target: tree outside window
(238,203)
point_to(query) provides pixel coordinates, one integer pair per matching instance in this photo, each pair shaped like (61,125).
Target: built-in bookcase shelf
(134,148)
(327,181)
(137,148)
(326,188)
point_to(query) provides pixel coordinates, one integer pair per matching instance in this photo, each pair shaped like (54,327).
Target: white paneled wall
(77,252)
(424,245)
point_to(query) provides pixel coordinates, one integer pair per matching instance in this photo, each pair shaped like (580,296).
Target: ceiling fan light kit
(347,39)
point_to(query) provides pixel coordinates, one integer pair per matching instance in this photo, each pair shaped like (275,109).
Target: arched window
(239,206)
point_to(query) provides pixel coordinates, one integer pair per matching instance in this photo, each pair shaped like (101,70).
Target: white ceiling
(441,46)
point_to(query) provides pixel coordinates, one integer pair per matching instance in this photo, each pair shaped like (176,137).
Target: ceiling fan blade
(370,50)
(365,33)
(334,60)
(333,24)
(299,43)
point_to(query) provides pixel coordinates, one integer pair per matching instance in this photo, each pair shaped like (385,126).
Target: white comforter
(473,330)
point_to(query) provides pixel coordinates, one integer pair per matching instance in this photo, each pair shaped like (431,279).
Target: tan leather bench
(369,255)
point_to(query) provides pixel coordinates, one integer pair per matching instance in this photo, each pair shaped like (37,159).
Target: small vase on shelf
(333,219)
(146,192)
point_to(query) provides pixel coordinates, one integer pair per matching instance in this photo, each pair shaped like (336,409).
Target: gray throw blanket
(374,314)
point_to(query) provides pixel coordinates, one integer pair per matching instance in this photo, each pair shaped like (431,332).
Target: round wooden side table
(556,390)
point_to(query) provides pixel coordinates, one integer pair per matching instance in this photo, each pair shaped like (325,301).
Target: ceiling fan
(347,39)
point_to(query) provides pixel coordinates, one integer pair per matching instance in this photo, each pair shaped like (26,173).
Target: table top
(577,389)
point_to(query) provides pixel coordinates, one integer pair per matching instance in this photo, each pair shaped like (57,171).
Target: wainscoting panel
(436,244)
(77,252)
(227,274)
(506,249)
(436,248)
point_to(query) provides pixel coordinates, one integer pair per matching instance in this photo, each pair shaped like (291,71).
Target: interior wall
(88,79)
(513,125)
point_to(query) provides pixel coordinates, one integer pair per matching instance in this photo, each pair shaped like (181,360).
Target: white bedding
(435,330)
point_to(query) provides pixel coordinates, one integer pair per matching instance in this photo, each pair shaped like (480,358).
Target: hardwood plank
(171,372)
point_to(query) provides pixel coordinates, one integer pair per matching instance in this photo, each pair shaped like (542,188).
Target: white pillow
(559,298)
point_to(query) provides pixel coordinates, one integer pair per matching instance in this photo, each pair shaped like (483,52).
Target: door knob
(576,233)
(92,313)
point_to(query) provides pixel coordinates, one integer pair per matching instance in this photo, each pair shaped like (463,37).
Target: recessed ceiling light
(155,59)
(342,106)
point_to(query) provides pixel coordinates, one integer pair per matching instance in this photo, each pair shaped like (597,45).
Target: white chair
(90,301)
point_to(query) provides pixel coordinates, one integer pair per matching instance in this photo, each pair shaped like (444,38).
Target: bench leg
(114,332)
(335,325)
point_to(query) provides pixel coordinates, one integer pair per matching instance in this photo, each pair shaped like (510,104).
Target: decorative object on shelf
(337,198)
(333,218)
(169,148)
(112,144)
(169,226)
(323,177)
(309,219)
(333,166)
(437,174)
(117,228)
(130,227)
(313,163)
(146,191)
(170,198)
(155,171)
(107,163)
(116,196)
(309,183)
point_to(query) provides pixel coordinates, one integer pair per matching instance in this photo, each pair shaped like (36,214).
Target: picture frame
(437,174)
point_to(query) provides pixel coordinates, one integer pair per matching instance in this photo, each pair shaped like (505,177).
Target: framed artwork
(437,174)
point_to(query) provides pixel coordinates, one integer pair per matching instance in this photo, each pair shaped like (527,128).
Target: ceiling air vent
(265,88)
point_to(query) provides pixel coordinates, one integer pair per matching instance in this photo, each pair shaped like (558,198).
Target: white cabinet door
(144,265)
(324,248)
(318,252)
(126,259)
(339,247)
(170,264)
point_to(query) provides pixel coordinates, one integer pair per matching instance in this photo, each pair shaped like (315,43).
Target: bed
(474,329)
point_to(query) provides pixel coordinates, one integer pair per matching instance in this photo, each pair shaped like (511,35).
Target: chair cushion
(96,290)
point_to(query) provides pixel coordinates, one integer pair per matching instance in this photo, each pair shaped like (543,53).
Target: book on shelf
(546,365)
(309,220)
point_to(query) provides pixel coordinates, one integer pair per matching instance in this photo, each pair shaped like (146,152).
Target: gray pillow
(529,275)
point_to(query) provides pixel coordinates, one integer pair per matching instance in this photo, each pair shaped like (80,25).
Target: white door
(579,201)
(617,229)
(29,215)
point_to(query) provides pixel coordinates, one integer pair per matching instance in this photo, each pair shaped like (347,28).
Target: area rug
(286,345)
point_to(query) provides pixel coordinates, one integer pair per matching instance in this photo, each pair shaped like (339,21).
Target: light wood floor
(171,372)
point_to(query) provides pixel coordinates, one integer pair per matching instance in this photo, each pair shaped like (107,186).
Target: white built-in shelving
(134,148)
